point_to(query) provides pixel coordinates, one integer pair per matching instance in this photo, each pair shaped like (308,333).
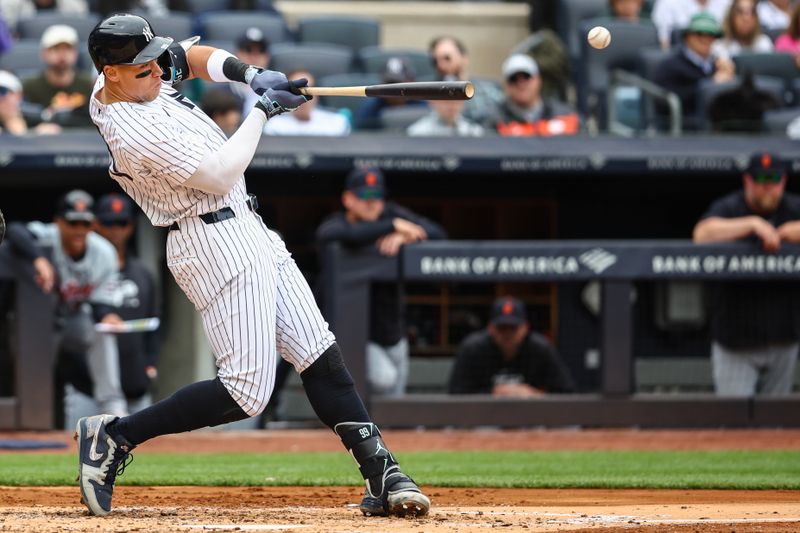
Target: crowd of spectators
(541,87)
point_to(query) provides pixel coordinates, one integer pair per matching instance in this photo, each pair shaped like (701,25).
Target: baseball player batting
(186,175)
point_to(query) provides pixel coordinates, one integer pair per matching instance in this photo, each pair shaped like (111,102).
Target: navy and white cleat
(100,460)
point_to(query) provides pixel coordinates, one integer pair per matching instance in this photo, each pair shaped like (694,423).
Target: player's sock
(201,404)
(331,391)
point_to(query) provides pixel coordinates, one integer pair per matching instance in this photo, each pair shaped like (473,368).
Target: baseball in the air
(599,37)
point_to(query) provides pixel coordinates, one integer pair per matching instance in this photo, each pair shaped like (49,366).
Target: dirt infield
(335,509)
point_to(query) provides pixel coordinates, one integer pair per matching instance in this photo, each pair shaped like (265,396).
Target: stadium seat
(224,44)
(24,59)
(33,28)
(596,65)
(397,119)
(773,33)
(649,58)
(373,59)
(230,25)
(319,59)
(709,90)
(777,65)
(345,80)
(778,120)
(569,15)
(354,32)
(204,6)
(176,25)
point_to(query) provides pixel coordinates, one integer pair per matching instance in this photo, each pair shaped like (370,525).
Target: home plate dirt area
(334,509)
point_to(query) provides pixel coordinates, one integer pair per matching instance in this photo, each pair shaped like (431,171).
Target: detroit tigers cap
(766,163)
(76,205)
(508,311)
(366,183)
(113,208)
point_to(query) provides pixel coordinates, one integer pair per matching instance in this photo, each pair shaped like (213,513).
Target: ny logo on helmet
(148,33)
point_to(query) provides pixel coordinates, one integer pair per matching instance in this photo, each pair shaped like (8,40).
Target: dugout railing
(617,265)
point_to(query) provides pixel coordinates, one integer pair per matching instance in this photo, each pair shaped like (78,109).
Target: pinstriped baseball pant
(254,302)
(768,370)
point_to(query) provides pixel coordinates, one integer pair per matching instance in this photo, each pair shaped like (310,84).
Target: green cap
(704,22)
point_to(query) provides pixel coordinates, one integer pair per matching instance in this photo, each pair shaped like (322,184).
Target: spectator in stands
(138,351)
(684,70)
(742,32)
(755,326)
(789,42)
(224,108)
(628,10)
(14,10)
(11,120)
(774,14)
(369,221)
(445,120)
(450,57)
(146,8)
(369,114)
(60,89)
(308,119)
(252,48)
(508,359)
(81,267)
(524,113)
(672,15)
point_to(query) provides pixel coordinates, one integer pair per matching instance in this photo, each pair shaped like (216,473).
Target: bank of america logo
(597,260)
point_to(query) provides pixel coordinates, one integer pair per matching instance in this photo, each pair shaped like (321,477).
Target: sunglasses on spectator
(519,76)
(4,91)
(115,223)
(768,178)
(79,223)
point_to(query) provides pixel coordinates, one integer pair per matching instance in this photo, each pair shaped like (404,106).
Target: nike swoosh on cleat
(93,455)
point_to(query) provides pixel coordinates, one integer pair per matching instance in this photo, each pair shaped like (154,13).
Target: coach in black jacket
(369,220)
(507,359)
(684,70)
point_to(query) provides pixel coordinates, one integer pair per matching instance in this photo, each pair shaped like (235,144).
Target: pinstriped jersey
(155,147)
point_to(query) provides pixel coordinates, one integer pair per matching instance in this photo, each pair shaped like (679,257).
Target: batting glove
(283,97)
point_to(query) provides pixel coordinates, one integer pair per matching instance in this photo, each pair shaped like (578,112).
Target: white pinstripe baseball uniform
(253,299)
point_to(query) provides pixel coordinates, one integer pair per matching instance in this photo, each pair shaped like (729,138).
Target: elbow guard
(174,62)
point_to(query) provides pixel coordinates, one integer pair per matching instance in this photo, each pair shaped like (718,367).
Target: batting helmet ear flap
(174,62)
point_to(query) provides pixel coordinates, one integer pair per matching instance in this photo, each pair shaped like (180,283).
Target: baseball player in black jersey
(755,325)
(184,173)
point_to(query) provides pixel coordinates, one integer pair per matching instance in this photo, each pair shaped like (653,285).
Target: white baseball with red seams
(599,37)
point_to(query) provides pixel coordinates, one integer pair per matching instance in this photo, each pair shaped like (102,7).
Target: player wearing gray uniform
(84,273)
(255,305)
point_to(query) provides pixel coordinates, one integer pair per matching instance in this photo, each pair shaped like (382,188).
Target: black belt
(222,214)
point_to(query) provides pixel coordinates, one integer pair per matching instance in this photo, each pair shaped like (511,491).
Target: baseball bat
(418,90)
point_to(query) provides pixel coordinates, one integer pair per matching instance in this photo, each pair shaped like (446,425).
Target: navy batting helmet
(125,39)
